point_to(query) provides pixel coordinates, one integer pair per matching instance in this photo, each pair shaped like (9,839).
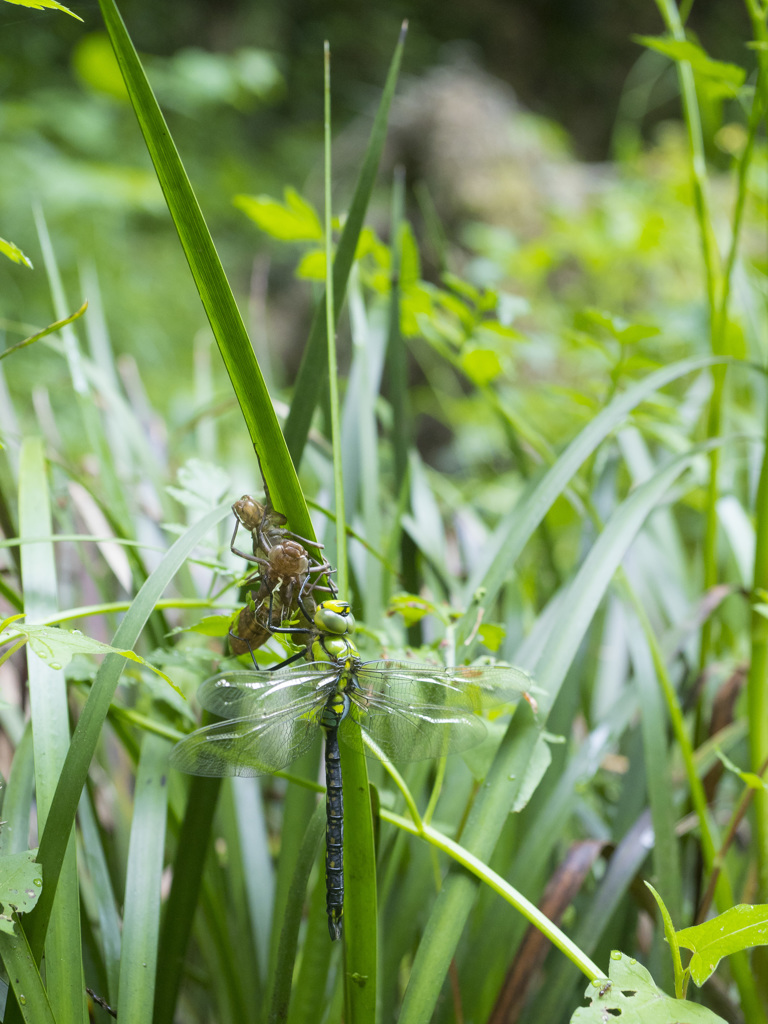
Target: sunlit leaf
(481,365)
(702,64)
(633,998)
(41,5)
(311,266)
(59,646)
(21,882)
(293,220)
(211,625)
(741,927)
(13,252)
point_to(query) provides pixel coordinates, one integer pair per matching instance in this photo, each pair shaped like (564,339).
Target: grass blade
(314,366)
(141,923)
(211,282)
(50,723)
(88,729)
(487,817)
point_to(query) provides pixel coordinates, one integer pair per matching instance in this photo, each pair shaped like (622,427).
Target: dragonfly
(401,710)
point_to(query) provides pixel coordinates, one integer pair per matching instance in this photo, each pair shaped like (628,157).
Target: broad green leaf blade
(141,920)
(50,725)
(739,928)
(211,282)
(360,905)
(634,999)
(314,365)
(21,881)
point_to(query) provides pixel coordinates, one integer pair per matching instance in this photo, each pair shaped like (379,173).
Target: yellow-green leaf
(13,252)
(294,220)
(40,5)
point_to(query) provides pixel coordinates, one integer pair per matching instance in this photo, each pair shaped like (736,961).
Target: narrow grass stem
(330,324)
(757,680)
(504,889)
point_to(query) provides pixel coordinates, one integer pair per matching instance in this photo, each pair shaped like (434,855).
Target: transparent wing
(243,693)
(253,745)
(470,686)
(413,712)
(410,732)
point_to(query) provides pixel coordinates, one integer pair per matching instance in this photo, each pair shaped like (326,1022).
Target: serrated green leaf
(13,252)
(41,5)
(59,646)
(702,64)
(21,882)
(739,928)
(293,220)
(634,998)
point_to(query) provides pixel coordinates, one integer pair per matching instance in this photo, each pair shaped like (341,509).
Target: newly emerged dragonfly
(408,711)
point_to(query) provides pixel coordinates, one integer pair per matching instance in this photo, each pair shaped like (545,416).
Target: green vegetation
(545,444)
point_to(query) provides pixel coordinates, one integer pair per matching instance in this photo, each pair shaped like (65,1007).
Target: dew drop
(55,665)
(615,954)
(22,999)
(77,632)
(632,960)
(37,881)
(42,654)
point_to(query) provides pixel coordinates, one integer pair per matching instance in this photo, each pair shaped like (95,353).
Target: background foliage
(559,473)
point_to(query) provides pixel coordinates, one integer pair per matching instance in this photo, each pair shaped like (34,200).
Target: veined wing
(473,687)
(243,693)
(414,731)
(252,745)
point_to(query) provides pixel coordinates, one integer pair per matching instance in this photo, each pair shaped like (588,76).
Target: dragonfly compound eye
(335,617)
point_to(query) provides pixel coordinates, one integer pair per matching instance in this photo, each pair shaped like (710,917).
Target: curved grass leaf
(489,811)
(517,528)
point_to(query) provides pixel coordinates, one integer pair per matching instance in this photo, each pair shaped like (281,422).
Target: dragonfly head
(335,617)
